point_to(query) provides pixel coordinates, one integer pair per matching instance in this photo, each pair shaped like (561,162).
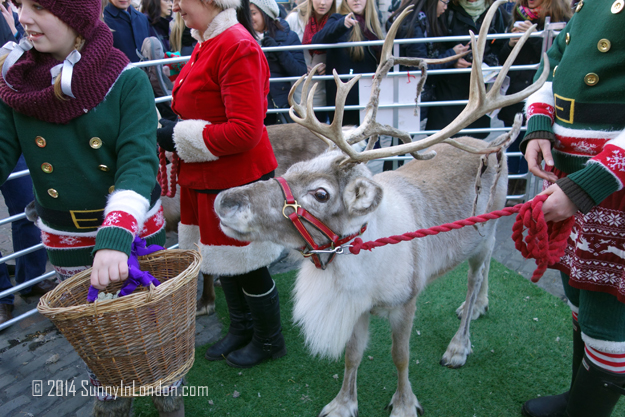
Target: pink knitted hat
(81,15)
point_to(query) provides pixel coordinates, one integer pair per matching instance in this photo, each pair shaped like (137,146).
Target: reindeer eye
(320,195)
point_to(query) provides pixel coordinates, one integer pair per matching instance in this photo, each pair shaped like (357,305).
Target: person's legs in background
(18,193)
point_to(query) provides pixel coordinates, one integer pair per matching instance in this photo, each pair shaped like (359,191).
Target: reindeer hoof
(405,405)
(204,308)
(343,408)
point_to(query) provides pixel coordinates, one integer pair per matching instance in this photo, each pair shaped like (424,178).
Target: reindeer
(615,250)
(340,199)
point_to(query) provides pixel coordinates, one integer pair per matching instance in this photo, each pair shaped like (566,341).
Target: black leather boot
(555,405)
(267,341)
(241,325)
(595,391)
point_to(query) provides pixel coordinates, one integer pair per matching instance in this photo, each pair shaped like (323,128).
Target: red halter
(312,250)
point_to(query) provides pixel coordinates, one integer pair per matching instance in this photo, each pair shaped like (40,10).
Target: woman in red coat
(220,97)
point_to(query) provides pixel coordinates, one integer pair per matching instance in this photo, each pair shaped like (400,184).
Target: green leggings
(601,316)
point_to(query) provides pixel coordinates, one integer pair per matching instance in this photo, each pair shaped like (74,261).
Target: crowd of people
(67,83)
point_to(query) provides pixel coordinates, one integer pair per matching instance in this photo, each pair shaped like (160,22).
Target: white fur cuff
(130,202)
(189,140)
(236,260)
(543,95)
(604,345)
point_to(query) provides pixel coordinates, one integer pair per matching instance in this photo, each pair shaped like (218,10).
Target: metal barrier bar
(532,183)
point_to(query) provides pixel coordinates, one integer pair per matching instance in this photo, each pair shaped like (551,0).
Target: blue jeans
(17,194)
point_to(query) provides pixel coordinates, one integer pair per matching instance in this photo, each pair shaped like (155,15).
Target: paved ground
(34,350)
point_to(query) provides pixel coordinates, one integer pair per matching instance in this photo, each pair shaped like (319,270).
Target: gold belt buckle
(77,218)
(565,108)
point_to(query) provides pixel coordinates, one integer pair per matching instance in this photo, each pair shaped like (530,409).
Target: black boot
(267,341)
(555,405)
(241,324)
(595,391)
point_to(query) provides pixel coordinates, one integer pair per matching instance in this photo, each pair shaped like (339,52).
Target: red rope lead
(545,243)
(168,186)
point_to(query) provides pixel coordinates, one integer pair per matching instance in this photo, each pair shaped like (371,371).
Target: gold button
(617,6)
(568,38)
(95,143)
(47,168)
(604,45)
(111,189)
(53,193)
(103,168)
(40,141)
(591,79)
(554,71)
(579,6)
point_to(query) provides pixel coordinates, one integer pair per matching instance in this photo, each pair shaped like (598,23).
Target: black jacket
(335,32)
(456,86)
(284,64)
(529,54)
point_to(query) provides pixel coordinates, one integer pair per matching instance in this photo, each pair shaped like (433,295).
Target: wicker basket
(145,339)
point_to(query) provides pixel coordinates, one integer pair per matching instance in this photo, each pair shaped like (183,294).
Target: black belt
(570,111)
(263,178)
(81,219)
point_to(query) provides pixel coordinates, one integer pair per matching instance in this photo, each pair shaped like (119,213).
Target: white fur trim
(543,95)
(574,308)
(188,236)
(236,260)
(261,295)
(604,345)
(50,230)
(584,133)
(154,209)
(129,202)
(189,140)
(619,140)
(223,21)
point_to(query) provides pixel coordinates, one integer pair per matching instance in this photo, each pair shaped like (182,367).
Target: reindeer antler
(480,102)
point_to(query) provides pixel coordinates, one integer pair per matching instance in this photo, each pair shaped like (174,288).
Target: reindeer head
(342,196)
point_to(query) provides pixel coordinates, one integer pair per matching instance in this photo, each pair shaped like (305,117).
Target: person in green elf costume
(576,125)
(86,124)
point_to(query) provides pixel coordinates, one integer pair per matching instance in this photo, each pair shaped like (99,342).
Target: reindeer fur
(332,306)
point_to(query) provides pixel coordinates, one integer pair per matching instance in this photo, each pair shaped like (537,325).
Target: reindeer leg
(206,303)
(481,304)
(404,403)
(345,404)
(460,346)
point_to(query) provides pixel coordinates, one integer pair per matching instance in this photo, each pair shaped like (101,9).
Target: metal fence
(532,186)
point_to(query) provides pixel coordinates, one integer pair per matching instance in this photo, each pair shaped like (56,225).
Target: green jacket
(581,107)
(74,167)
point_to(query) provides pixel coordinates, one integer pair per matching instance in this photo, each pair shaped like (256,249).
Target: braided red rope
(168,188)
(544,243)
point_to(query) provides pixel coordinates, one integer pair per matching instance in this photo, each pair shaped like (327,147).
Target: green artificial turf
(521,349)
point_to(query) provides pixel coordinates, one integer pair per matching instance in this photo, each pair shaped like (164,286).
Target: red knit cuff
(122,220)
(541,109)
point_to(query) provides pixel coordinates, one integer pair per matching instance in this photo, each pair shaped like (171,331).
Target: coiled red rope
(168,186)
(544,242)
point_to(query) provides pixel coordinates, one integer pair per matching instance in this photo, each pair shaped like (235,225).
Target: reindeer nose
(227,204)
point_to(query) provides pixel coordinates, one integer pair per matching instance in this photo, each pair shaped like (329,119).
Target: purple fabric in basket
(136,276)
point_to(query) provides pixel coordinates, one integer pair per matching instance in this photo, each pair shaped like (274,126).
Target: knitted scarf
(311,30)
(527,13)
(93,77)
(474,9)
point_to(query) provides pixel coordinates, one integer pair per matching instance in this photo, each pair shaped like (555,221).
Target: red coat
(221,97)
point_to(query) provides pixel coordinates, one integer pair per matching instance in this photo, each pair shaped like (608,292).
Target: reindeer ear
(362,196)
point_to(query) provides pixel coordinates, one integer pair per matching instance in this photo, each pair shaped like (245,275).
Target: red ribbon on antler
(168,186)
(545,242)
